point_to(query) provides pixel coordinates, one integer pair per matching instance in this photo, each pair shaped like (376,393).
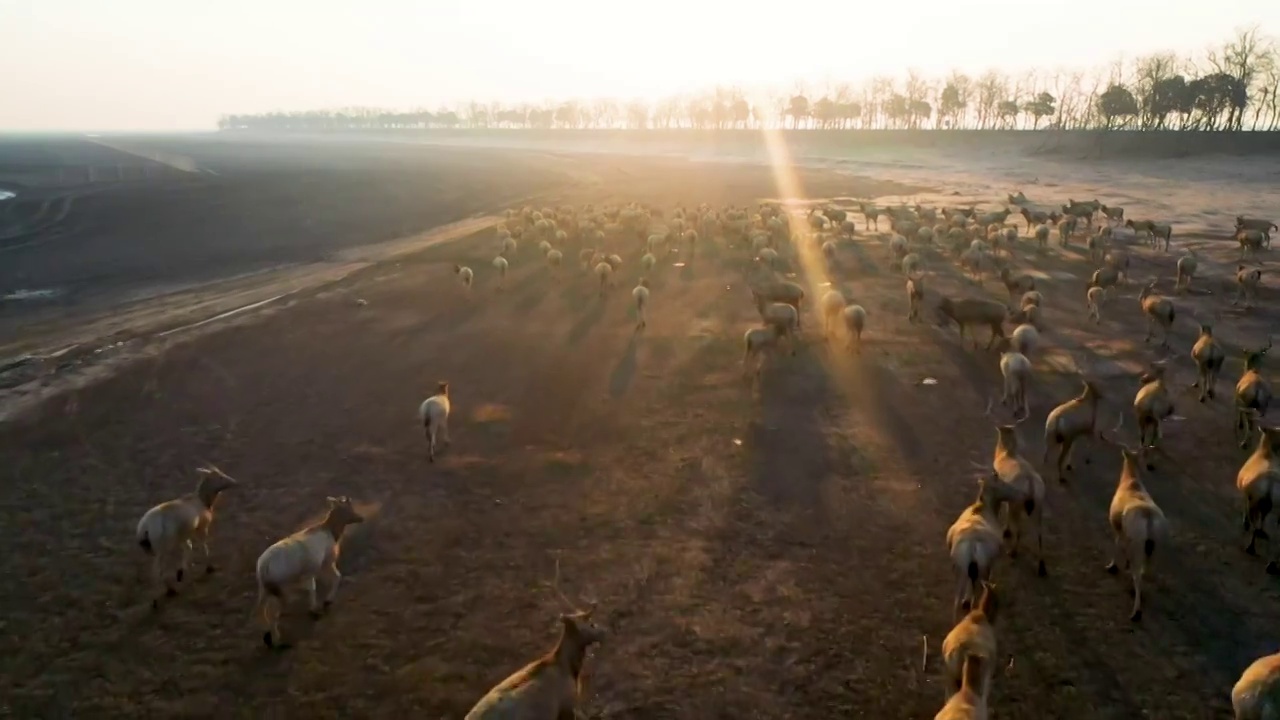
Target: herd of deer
(1011,484)
(1010,498)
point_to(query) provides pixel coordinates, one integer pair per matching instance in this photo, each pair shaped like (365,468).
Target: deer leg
(962,596)
(184,559)
(1015,525)
(271,610)
(1117,557)
(1138,569)
(159,577)
(1273,566)
(1038,520)
(311,594)
(335,579)
(1064,460)
(1250,527)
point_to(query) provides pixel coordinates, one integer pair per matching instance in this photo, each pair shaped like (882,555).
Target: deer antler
(1109,435)
(212,469)
(555,587)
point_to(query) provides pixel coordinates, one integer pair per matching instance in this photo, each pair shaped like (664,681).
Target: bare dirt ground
(776,552)
(143,228)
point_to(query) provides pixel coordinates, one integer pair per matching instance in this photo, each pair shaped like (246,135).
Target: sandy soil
(769,552)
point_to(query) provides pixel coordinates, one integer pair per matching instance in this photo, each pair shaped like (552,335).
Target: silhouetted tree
(1041,107)
(637,115)
(919,111)
(954,99)
(823,112)
(797,109)
(1117,103)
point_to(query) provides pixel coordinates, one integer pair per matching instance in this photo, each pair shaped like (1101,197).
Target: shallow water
(41,294)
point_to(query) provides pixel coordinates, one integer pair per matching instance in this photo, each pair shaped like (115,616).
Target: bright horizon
(158,65)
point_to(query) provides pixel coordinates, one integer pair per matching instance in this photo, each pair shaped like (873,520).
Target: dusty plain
(767,552)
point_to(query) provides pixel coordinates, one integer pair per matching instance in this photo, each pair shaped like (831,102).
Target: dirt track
(772,554)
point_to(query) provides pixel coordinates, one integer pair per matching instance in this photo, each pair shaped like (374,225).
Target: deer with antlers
(550,687)
(1017,486)
(1074,419)
(1253,395)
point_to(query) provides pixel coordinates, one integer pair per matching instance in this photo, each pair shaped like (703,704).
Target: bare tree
(953,101)
(1153,82)
(879,94)
(991,90)
(917,92)
(1092,86)
(1241,59)
(637,115)
(1268,92)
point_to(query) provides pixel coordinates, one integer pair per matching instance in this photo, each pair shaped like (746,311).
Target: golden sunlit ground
(769,552)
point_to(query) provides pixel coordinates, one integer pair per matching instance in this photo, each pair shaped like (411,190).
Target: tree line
(1230,87)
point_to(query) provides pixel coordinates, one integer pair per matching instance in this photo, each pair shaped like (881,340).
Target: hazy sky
(176,64)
